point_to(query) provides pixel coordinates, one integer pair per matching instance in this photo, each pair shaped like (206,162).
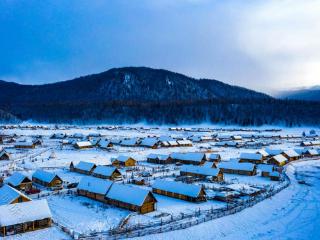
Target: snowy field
(291,214)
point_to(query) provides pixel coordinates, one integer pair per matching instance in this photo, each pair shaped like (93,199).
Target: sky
(268,46)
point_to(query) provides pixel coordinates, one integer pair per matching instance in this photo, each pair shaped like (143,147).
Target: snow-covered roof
(214,156)
(274,174)
(44,175)
(94,185)
(265,167)
(291,153)
(104,143)
(129,142)
(16,179)
(312,152)
(128,194)
(273,151)
(161,157)
(251,156)
(24,212)
(177,187)
(237,166)
(200,170)
(263,153)
(184,142)
(280,158)
(85,166)
(104,170)
(122,158)
(24,144)
(9,194)
(192,156)
(149,142)
(83,144)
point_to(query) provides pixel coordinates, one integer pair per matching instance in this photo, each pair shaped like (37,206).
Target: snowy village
(115,182)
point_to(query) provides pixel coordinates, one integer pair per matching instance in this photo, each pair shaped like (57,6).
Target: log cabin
(275,176)
(194,158)
(123,161)
(255,158)
(278,160)
(94,188)
(266,169)
(46,179)
(26,145)
(24,217)
(105,144)
(233,167)
(10,195)
(214,174)
(179,190)
(150,143)
(184,143)
(107,172)
(214,157)
(83,145)
(131,142)
(83,167)
(4,155)
(131,198)
(312,153)
(264,153)
(291,155)
(159,158)
(19,181)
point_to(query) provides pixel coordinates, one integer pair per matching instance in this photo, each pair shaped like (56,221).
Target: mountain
(135,94)
(310,94)
(138,84)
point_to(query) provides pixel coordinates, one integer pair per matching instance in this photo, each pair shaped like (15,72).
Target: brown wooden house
(124,161)
(234,167)
(214,174)
(47,179)
(179,190)
(159,158)
(24,217)
(107,172)
(19,181)
(83,167)
(10,195)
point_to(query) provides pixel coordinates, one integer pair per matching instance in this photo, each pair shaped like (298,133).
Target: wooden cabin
(124,161)
(107,172)
(130,142)
(275,176)
(4,155)
(278,160)
(105,144)
(291,155)
(233,167)
(214,174)
(264,154)
(46,179)
(19,181)
(24,217)
(94,188)
(150,143)
(214,157)
(131,198)
(83,167)
(138,181)
(184,143)
(26,145)
(255,158)
(194,158)
(83,145)
(179,190)
(266,169)
(10,195)
(311,153)
(159,158)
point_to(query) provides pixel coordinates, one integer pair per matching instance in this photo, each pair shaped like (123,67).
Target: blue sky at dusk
(264,45)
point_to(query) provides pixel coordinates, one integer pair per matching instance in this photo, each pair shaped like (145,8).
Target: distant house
(159,158)
(183,191)
(150,143)
(47,179)
(278,160)
(83,145)
(275,176)
(255,158)
(273,152)
(107,172)
(311,153)
(25,145)
(266,169)
(94,188)
(184,143)
(214,157)
(131,142)
(10,195)
(83,167)
(234,167)
(24,217)
(131,198)
(58,136)
(291,155)
(195,158)
(4,155)
(264,153)
(124,161)
(19,181)
(201,172)
(105,143)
